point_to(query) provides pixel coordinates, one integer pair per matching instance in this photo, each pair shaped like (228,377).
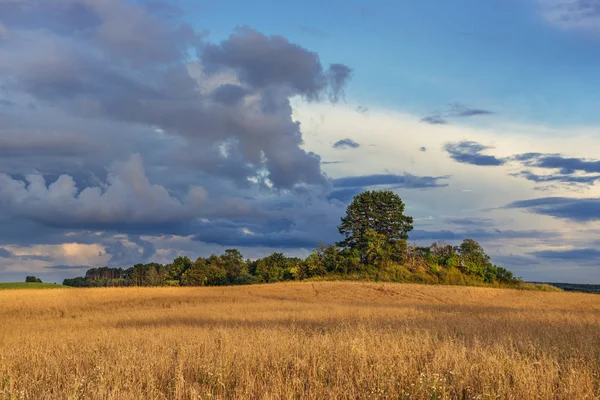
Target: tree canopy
(374,218)
(375,248)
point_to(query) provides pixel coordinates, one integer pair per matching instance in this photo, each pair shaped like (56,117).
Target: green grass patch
(27,285)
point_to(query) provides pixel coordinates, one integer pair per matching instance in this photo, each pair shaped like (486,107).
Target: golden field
(327,340)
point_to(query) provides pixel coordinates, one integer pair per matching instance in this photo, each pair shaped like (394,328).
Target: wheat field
(328,340)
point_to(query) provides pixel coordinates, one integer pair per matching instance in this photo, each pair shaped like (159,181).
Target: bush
(32,279)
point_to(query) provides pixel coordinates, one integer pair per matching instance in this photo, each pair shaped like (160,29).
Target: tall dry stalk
(299,341)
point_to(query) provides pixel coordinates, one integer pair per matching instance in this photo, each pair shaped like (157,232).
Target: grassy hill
(28,285)
(575,287)
(300,340)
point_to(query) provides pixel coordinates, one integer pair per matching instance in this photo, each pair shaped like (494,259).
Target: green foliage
(29,285)
(375,248)
(474,260)
(375,251)
(176,269)
(205,272)
(32,279)
(271,269)
(445,254)
(236,268)
(350,261)
(505,276)
(323,260)
(453,261)
(79,281)
(374,218)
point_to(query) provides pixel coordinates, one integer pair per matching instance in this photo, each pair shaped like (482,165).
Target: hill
(574,287)
(29,285)
(439,263)
(300,340)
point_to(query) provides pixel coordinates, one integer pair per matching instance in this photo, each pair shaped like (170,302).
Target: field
(328,340)
(28,285)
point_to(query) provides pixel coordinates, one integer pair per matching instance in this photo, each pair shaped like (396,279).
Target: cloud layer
(120,62)
(127,197)
(468,152)
(126,135)
(84,84)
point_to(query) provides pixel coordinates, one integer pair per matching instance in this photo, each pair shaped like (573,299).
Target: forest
(375,247)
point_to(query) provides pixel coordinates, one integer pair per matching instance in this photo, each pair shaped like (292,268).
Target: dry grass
(299,340)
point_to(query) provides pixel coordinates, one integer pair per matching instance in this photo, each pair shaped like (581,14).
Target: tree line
(375,247)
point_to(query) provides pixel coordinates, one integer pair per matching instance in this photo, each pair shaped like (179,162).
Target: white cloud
(36,258)
(391,142)
(127,196)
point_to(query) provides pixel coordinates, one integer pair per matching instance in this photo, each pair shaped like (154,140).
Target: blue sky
(138,131)
(419,56)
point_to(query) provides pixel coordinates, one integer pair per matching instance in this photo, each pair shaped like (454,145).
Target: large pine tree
(381,211)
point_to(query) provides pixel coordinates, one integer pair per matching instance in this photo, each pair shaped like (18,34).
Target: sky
(137,131)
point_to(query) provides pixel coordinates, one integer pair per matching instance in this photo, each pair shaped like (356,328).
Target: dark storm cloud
(34,258)
(346,144)
(229,94)
(117,79)
(345,195)
(569,179)
(65,17)
(419,234)
(469,152)
(481,234)
(460,110)
(127,197)
(265,61)
(566,165)
(585,256)
(514,260)
(346,188)
(566,170)
(126,31)
(139,73)
(434,119)
(407,181)
(477,222)
(579,210)
(235,234)
(295,221)
(123,255)
(5,253)
(19,143)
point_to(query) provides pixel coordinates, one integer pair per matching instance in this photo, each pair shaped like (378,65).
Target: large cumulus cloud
(86,83)
(117,61)
(127,197)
